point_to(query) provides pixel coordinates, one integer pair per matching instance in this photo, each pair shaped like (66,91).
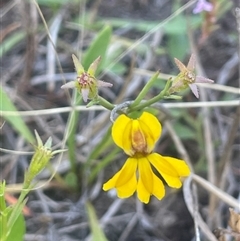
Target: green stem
(3,214)
(160,96)
(105,103)
(145,89)
(17,209)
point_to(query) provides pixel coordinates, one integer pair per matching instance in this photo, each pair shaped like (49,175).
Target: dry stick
(54,111)
(51,57)
(207,132)
(180,147)
(237,13)
(227,150)
(81,34)
(191,205)
(131,224)
(50,39)
(61,71)
(207,127)
(30,23)
(216,191)
(190,196)
(148,73)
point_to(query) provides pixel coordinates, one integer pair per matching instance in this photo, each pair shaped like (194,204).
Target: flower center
(139,142)
(85,80)
(190,76)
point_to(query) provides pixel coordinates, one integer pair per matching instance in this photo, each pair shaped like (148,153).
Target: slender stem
(161,95)
(145,89)
(3,214)
(17,209)
(105,103)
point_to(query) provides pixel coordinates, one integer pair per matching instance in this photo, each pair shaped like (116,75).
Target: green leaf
(16,121)
(15,213)
(97,233)
(179,24)
(178,45)
(98,48)
(71,180)
(184,131)
(18,230)
(56,3)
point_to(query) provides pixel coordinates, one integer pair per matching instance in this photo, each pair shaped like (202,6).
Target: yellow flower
(137,137)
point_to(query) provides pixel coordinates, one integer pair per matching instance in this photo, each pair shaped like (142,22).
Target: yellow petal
(145,181)
(128,189)
(148,183)
(142,193)
(179,165)
(162,165)
(151,128)
(121,132)
(111,183)
(145,173)
(172,181)
(125,181)
(158,188)
(127,172)
(170,169)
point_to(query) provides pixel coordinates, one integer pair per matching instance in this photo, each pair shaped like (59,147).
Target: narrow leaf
(97,233)
(16,121)
(98,47)
(18,229)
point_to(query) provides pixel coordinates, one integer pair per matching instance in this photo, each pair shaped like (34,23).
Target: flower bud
(40,159)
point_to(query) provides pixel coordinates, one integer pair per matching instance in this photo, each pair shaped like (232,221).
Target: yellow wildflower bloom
(137,137)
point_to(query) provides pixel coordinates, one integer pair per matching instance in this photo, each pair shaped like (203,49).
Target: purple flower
(187,77)
(86,83)
(202,5)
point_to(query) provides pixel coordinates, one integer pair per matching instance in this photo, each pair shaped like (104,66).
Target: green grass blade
(15,121)
(97,233)
(98,48)
(18,230)
(10,42)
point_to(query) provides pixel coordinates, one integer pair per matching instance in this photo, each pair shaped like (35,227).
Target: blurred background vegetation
(134,39)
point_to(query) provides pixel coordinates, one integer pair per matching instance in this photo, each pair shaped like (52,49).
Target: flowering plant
(137,137)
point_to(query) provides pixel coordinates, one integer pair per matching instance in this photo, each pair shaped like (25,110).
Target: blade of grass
(97,233)
(98,48)
(10,42)
(15,121)
(103,163)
